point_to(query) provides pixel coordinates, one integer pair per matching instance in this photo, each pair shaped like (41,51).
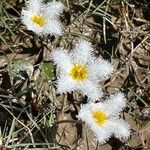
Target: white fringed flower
(103,118)
(43,18)
(79,70)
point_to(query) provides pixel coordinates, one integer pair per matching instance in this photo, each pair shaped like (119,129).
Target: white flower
(79,70)
(103,118)
(43,18)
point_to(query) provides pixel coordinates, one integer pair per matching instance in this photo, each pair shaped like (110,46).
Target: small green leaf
(48,71)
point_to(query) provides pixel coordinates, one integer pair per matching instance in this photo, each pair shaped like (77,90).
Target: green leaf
(48,71)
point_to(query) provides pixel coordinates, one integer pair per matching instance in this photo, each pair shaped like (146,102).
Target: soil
(27,102)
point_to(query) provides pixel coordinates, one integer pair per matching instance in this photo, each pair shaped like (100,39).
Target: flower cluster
(80,70)
(43,18)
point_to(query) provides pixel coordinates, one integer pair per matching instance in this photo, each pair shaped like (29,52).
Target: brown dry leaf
(140,134)
(67,131)
(117,80)
(135,139)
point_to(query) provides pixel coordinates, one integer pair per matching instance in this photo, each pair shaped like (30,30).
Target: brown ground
(30,110)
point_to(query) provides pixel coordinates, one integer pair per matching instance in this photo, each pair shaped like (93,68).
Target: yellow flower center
(39,20)
(78,72)
(100,117)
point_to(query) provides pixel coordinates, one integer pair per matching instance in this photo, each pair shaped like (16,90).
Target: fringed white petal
(82,52)
(65,84)
(53,27)
(101,68)
(103,133)
(85,113)
(121,129)
(115,103)
(91,89)
(62,59)
(54,9)
(34,5)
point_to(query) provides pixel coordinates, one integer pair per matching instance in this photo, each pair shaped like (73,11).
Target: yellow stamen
(39,20)
(78,72)
(100,117)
